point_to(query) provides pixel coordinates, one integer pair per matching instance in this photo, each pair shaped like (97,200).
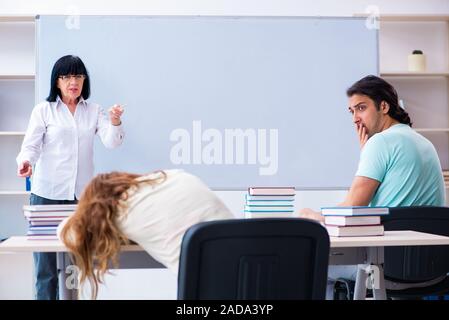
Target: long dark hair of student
(91,234)
(380,90)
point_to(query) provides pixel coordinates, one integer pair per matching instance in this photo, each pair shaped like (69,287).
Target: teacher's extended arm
(111,130)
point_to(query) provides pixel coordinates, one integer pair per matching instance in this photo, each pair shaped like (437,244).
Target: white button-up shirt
(60,145)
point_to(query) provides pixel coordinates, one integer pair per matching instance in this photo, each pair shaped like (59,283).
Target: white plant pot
(416,63)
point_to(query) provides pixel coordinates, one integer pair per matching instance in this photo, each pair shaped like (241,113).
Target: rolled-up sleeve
(111,136)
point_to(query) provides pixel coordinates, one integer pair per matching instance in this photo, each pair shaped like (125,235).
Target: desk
(131,257)
(367,252)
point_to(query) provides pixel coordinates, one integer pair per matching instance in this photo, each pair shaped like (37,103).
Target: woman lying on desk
(152,210)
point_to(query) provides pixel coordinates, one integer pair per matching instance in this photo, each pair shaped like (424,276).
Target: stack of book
(446,177)
(44,220)
(354,221)
(270,202)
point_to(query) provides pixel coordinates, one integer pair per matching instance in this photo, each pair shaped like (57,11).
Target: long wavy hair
(91,234)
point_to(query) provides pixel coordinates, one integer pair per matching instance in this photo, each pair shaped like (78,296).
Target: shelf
(12,133)
(14,193)
(414,74)
(17,76)
(408,17)
(17,18)
(431,129)
(414,17)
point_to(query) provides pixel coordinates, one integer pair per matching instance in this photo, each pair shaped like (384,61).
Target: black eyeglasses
(77,77)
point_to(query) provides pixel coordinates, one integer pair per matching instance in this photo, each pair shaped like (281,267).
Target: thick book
(273,209)
(42,227)
(55,215)
(45,223)
(269,198)
(355,231)
(351,220)
(269,208)
(39,219)
(50,207)
(42,237)
(354,211)
(269,203)
(249,214)
(41,232)
(269,191)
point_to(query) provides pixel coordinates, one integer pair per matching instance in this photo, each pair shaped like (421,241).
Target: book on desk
(354,211)
(355,231)
(354,221)
(351,220)
(269,202)
(43,220)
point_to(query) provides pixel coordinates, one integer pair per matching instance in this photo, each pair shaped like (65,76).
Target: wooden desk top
(22,244)
(391,238)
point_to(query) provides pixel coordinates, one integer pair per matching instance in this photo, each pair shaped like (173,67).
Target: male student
(397,166)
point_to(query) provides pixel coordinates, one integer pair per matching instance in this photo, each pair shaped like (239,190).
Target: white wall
(16,270)
(221,7)
(16,276)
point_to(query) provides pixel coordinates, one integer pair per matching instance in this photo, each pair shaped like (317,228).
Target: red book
(352,220)
(355,231)
(271,191)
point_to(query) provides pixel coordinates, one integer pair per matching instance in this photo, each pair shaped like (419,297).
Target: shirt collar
(80,101)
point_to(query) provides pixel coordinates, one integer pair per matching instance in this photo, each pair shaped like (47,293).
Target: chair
(414,264)
(241,259)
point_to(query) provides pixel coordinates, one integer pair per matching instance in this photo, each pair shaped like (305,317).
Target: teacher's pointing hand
(115,112)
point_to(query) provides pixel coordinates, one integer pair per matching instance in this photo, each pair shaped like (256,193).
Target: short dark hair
(68,65)
(378,90)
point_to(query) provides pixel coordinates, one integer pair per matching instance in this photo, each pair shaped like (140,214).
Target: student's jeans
(46,272)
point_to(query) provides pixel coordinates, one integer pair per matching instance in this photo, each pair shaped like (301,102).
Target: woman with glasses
(59,144)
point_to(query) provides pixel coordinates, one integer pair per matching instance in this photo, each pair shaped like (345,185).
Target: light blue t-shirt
(407,166)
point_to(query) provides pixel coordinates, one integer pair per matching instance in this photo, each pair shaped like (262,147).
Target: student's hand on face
(362,134)
(24,169)
(115,112)
(310,214)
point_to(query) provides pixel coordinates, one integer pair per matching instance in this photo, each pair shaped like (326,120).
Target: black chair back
(273,258)
(417,263)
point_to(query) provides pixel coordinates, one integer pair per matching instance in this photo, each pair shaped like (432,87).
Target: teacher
(59,143)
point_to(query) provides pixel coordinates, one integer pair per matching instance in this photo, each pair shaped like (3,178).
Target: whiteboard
(238,101)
